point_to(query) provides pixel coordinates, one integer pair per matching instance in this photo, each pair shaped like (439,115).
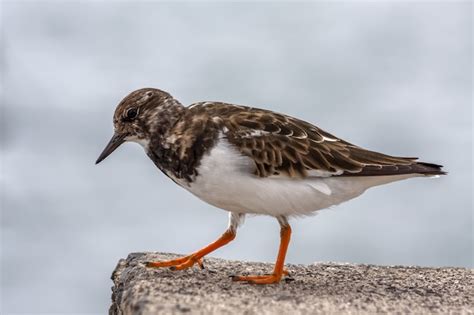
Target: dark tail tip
(430,169)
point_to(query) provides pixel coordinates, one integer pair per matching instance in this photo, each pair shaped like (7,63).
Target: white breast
(226,181)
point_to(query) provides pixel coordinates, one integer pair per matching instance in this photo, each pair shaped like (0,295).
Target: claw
(200,262)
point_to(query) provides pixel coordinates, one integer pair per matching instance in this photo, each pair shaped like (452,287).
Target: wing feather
(280,144)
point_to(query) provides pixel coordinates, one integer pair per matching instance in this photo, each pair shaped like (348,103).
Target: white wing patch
(321,187)
(321,173)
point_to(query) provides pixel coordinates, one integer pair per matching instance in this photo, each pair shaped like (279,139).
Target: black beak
(113,144)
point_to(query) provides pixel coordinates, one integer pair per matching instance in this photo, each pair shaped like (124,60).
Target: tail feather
(423,168)
(429,168)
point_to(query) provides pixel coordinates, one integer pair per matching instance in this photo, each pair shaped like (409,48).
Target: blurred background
(391,77)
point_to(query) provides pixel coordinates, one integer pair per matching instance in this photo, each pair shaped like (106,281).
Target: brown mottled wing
(281,144)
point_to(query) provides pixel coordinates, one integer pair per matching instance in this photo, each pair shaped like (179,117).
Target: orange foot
(195,258)
(263,279)
(178,263)
(267,279)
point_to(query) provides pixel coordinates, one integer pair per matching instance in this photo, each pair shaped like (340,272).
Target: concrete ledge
(317,288)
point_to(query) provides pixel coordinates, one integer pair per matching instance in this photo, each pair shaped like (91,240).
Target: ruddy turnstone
(248,160)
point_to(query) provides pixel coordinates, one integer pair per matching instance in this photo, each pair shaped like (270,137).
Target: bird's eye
(132,113)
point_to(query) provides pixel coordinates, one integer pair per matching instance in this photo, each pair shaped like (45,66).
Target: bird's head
(140,116)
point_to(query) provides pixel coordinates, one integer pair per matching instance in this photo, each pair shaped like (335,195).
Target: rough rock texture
(317,288)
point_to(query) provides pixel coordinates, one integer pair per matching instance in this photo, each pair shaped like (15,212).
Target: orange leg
(188,261)
(278,270)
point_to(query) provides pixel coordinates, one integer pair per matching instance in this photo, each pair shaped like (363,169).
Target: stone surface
(317,288)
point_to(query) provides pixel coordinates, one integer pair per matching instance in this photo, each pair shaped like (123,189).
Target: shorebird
(248,160)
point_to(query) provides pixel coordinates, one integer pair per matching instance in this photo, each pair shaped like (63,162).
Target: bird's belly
(226,180)
(246,194)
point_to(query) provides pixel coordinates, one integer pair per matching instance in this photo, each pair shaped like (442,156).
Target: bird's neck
(162,119)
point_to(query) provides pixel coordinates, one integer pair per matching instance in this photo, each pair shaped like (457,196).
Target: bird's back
(281,145)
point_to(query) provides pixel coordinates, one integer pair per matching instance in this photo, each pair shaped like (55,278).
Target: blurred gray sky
(392,77)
